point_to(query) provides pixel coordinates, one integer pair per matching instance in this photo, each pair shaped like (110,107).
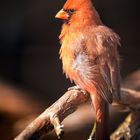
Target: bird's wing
(115,78)
(107,41)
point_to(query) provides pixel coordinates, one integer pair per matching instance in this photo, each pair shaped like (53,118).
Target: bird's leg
(92,134)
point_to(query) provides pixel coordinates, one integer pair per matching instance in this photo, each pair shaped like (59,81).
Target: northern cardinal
(90,58)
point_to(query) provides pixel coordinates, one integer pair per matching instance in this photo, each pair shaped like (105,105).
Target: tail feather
(102,117)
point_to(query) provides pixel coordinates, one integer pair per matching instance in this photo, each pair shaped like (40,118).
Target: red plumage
(90,57)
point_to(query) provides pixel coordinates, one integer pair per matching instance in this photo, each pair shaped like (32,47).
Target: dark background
(29,43)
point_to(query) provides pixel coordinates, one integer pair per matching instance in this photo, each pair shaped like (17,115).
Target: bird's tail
(102,117)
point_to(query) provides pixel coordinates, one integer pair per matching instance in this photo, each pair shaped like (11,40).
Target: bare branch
(55,114)
(67,104)
(130,99)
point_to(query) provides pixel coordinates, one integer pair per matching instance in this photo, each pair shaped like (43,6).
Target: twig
(129,129)
(67,104)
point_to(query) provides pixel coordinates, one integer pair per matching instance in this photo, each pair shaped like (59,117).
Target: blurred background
(31,77)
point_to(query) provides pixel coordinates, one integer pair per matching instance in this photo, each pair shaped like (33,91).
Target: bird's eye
(69,11)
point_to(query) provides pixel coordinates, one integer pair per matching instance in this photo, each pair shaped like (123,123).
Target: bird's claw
(74,88)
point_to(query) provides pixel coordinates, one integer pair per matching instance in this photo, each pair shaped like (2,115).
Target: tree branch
(55,114)
(129,129)
(67,104)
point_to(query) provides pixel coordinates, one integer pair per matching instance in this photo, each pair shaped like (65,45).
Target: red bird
(90,58)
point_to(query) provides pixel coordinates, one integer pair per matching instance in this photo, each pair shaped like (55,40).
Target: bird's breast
(71,46)
(78,65)
(78,56)
(67,57)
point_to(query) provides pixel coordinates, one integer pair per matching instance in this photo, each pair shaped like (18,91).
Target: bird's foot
(74,88)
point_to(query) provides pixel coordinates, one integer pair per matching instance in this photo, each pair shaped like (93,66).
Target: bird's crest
(77,3)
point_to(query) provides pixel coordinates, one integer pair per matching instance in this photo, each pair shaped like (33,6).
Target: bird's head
(78,12)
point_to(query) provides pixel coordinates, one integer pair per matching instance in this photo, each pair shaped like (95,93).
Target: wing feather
(107,41)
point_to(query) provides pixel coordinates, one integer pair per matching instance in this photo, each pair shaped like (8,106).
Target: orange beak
(62,15)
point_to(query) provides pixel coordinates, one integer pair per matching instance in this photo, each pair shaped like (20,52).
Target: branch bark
(67,104)
(129,129)
(55,114)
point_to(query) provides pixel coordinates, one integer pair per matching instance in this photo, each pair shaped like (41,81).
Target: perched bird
(90,58)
